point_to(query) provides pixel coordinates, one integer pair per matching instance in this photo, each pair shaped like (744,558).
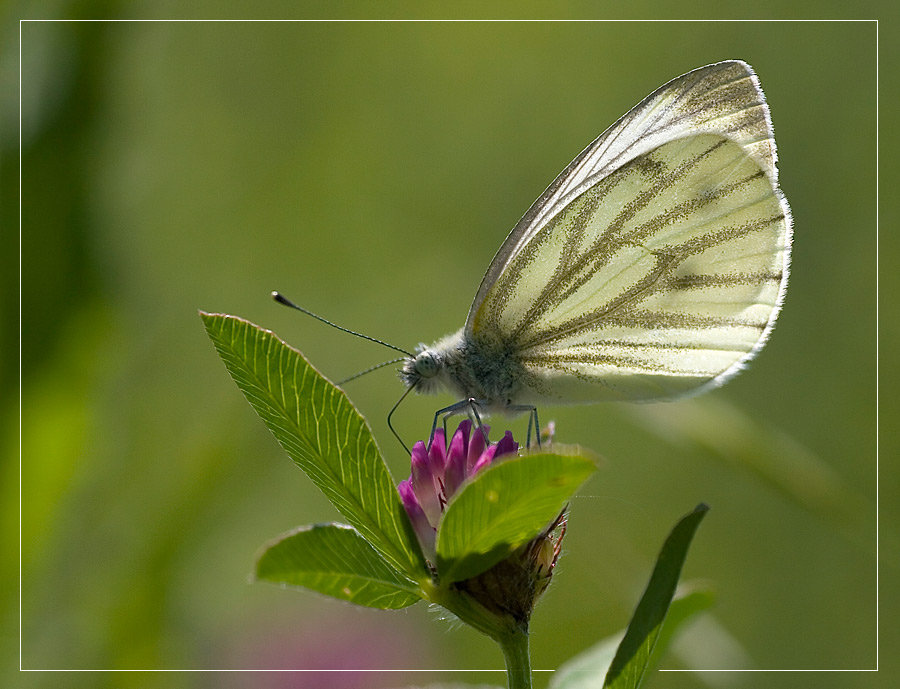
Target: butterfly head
(434,368)
(426,364)
(420,371)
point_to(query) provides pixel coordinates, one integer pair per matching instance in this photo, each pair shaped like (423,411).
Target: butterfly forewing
(656,280)
(723,98)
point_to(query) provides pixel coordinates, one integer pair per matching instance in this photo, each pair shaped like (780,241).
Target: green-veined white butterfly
(653,267)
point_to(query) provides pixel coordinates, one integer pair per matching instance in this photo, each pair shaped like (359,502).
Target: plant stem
(518,659)
(512,637)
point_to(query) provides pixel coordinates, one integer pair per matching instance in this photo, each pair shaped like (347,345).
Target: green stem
(510,636)
(518,659)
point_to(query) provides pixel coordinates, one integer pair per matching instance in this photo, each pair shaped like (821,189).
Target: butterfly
(653,267)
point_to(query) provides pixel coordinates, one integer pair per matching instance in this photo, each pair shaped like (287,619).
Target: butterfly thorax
(486,372)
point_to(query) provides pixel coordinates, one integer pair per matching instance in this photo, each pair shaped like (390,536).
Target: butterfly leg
(470,406)
(533,423)
(447,412)
(473,405)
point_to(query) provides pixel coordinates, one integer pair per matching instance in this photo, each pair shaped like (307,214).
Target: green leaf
(322,432)
(504,507)
(691,599)
(335,560)
(634,653)
(588,669)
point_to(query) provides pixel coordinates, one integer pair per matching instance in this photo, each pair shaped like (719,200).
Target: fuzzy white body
(494,378)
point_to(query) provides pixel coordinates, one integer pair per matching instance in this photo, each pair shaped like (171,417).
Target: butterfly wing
(658,279)
(723,98)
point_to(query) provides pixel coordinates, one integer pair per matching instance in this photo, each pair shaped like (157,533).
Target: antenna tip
(280,298)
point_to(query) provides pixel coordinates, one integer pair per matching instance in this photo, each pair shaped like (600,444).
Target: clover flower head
(439,471)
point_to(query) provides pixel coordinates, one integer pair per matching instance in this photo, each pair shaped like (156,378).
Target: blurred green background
(369,171)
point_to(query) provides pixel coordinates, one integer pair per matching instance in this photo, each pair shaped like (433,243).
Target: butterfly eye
(426,364)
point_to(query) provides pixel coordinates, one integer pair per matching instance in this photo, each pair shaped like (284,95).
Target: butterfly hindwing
(656,280)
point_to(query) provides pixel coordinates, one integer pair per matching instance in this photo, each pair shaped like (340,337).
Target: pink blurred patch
(338,641)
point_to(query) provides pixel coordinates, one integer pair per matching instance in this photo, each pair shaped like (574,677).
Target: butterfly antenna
(281,299)
(370,369)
